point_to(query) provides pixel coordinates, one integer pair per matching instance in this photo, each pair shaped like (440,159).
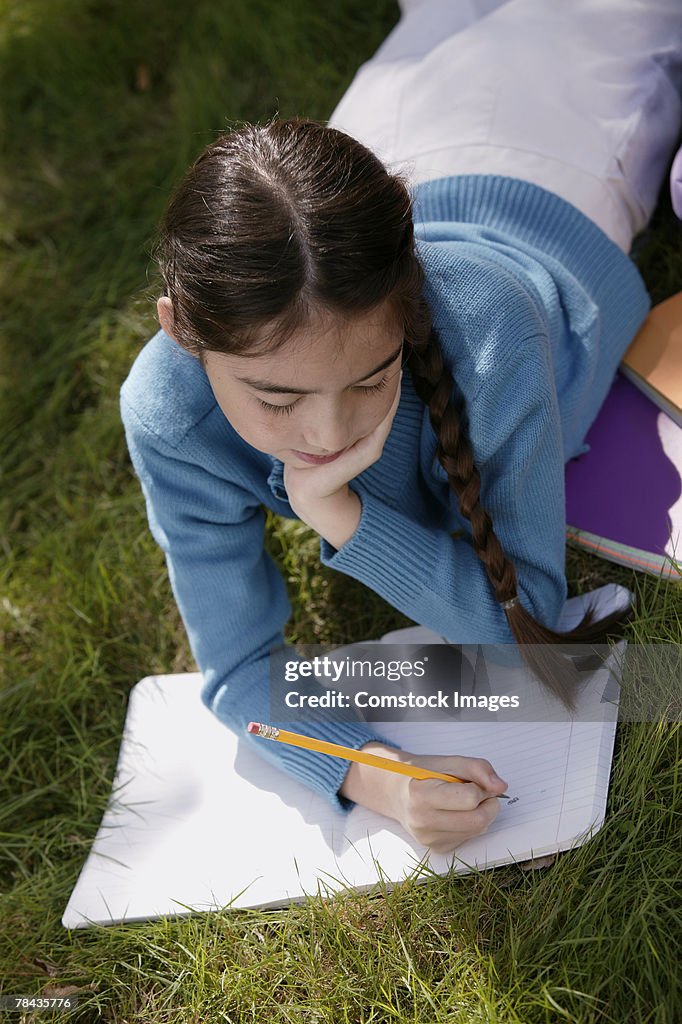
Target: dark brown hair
(276,222)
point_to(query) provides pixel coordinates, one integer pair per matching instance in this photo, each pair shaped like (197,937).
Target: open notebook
(196,821)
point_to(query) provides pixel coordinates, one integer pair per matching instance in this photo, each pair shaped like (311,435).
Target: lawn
(105,103)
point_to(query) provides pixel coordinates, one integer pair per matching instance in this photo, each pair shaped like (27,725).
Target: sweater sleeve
(233,602)
(514,427)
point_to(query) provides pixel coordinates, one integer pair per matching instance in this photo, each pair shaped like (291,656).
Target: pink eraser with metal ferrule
(254,726)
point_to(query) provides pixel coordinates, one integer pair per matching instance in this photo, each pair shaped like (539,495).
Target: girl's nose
(327,434)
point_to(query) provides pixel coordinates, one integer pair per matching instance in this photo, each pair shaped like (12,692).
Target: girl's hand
(320,495)
(439,815)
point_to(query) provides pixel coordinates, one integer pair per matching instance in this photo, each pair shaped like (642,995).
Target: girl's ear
(166,318)
(164,309)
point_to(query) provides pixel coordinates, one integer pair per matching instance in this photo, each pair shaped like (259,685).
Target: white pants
(581,97)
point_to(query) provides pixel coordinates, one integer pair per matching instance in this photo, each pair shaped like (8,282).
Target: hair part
(258,239)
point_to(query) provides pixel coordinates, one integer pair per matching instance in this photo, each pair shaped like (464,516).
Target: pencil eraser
(254,726)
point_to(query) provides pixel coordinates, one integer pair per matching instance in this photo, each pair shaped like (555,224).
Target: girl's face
(327,388)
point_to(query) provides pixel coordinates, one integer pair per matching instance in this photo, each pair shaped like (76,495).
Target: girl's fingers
(476,770)
(449,796)
(457,823)
(374,442)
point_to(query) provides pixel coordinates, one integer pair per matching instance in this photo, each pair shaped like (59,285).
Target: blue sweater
(535,307)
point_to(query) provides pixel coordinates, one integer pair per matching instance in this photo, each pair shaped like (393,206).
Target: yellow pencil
(270,732)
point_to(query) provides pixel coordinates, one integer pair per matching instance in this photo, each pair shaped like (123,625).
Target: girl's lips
(318,460)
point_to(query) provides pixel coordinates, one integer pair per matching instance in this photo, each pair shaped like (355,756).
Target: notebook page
(199,821)
(558,780)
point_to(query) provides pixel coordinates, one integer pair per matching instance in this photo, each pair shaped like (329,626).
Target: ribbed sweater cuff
(377,551)
(320,772)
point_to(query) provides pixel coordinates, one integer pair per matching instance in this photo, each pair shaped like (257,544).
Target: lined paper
(196,821)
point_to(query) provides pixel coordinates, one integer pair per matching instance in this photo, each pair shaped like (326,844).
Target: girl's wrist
(372,787)
(336,518)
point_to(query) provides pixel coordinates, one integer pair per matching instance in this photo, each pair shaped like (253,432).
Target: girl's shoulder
(483,302)
(166,390)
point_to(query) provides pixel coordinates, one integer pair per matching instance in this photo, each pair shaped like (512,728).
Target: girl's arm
(233,603)
(232,599)
(439,581)
(506,378)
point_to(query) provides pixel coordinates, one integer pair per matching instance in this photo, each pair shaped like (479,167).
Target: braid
(434,385)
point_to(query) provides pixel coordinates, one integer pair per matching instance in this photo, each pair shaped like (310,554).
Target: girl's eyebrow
(278,389)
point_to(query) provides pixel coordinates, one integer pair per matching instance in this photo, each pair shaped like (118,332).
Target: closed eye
(285,410)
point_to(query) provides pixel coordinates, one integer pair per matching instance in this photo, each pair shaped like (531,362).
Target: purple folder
(624,496)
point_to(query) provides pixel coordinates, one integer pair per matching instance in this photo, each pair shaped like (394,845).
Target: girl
(398,326)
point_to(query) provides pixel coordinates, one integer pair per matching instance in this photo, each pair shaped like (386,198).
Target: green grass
(105,102)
